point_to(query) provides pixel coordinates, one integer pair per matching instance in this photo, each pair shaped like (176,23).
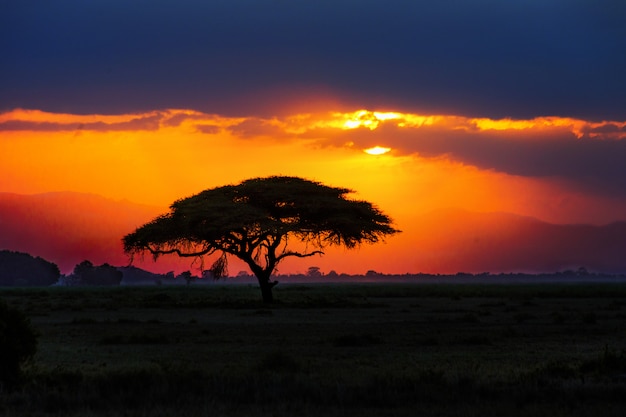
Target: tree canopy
(254,221)
(18,269)
(86,273)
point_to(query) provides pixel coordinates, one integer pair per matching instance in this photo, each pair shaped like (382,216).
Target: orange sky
(158,157)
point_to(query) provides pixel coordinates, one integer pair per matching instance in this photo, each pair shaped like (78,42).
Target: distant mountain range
(457,240)
(67,228)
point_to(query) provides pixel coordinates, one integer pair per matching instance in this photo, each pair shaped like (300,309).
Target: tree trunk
(266,292)
(266,288)
(263,276)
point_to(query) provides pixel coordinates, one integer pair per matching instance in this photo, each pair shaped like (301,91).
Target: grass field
(358,349)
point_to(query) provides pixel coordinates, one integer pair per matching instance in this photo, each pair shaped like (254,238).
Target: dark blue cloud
(480,58)
(590,164)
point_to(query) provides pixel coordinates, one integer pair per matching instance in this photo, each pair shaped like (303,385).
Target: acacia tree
(255,221)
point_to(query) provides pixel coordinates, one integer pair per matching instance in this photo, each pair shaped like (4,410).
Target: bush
(18,343)
(86,273)
(19,269)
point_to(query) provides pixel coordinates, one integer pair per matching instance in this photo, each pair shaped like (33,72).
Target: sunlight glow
(366,118)
(377,150)
(135,153)
(400,161)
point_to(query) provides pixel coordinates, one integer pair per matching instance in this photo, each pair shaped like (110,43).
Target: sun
(377,150)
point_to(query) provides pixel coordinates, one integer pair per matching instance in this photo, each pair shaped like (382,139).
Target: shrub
(18,343)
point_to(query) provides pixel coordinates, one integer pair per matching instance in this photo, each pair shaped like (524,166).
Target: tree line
(18,269)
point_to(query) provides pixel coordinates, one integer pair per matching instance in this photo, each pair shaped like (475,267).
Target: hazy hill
(457,240)
(68,227)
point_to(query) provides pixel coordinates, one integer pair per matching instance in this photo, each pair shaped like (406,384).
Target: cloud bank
(245,57)
(587,155)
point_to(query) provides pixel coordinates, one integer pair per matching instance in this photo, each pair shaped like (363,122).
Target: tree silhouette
(86,273)
(255,220)
(19,269)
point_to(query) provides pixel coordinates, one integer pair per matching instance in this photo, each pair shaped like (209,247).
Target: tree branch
(298,254)
(158,252)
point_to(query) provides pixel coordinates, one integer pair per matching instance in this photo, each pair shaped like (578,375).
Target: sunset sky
(483,106)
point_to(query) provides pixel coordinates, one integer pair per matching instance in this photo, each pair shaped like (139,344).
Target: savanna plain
(324,349)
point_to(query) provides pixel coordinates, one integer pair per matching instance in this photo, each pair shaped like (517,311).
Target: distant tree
(314,272)
(582,271)
(332,274)
(85,273)
(82,271)
(18,343)
(19,269)
(254,221)
(187,277)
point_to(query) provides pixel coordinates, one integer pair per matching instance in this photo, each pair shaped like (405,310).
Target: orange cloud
(28,120)
(541,167)
(526,168)
(301,124)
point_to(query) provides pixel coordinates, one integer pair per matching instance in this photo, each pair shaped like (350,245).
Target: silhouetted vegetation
(23,270)
(254,220)
(85,273)
(18,343)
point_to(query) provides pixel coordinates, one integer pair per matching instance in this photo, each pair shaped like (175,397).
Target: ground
(371,349)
